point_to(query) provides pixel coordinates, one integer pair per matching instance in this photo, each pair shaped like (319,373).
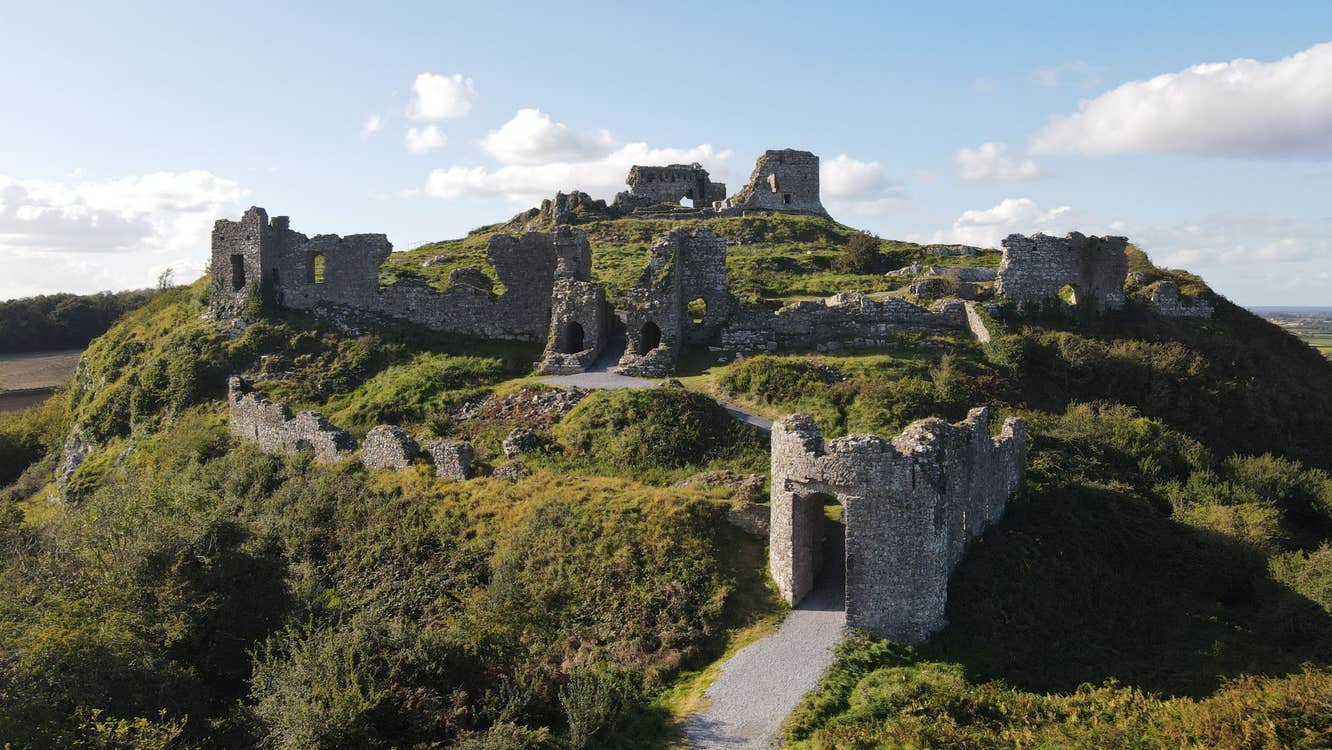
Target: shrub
(655,428)
(860,255)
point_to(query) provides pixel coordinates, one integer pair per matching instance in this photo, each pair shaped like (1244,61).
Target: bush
(656,428)
(861,254)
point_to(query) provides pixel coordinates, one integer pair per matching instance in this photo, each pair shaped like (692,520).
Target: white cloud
(1078,73)
(527,183)
(113,234)
(1241,108)
(429,138)
(437,97)
(854,187)
(372,125)
(989,162)
(531,138)
(986,227)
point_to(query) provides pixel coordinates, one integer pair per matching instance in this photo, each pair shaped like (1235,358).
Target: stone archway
(649,338)
(817,553)
(571,338)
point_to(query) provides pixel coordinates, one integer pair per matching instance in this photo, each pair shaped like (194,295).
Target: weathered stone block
(452,459)
(388,447)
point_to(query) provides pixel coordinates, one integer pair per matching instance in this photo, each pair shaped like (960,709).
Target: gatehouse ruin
(910,506)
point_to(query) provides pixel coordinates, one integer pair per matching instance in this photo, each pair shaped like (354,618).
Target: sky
(1202,131)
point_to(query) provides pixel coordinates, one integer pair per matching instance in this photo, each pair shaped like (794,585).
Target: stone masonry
(846,320)
(911,505)
(785,180)
(1034,269)
(1167,302)
(673,183)
(272,427)
(683,267)
(388,447)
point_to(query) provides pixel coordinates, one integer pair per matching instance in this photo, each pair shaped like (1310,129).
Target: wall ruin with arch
(1034,269)
(910,507)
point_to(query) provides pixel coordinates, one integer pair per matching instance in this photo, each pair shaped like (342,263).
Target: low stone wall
(846,320)
(273,428)
(911,505)
(1167,302)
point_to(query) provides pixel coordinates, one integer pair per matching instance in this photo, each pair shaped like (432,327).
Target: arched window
(649,338)
(571,338)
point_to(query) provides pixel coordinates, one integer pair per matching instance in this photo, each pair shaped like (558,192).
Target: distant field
(40,370)
(1312,324)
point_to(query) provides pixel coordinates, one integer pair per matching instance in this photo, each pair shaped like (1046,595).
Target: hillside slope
(1171,545)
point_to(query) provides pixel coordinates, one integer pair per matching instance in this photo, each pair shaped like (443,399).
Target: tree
(166,279)
(861,254)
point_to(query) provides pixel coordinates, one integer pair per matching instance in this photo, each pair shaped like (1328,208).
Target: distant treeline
(63,321)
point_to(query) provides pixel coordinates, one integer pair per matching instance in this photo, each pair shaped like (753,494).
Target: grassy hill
(1164,580)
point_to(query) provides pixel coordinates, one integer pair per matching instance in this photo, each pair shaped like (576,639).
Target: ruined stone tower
(785,180)
(910,506)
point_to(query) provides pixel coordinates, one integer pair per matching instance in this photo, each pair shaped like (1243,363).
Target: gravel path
(760,686)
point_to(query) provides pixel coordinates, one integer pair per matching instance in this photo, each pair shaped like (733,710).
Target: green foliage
(1308,573)
(27,435)
(62,321)
(875,696)
(312,688)
(860,255)
(593,700)
(407,392)
(656,428)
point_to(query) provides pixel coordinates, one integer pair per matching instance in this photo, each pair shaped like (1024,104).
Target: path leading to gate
(763,682)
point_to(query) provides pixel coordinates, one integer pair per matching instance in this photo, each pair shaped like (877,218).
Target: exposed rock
(388,447)
(534,407)
(512,471)
(519,441)
(452,459)
(74,452)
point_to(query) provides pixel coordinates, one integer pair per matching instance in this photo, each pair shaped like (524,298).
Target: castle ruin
(910,506)
(785,180)
(1034,270)
(674,183)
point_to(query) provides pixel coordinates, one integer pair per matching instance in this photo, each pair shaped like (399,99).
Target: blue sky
(125,130)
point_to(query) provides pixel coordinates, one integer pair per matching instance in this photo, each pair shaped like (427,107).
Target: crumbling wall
(682,267)
(579,317)
(911,505)
(785,180)
(281,263)
(846,320)
(273,429)
(1034,269)
(671,184)
(1166,301)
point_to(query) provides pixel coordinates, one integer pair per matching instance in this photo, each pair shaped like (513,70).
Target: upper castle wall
(336,276)
(1034,269)
(911,505)
(673,183)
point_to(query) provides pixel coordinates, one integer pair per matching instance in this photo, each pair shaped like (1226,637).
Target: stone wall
(785,180)
(682,267)
(1166,301)
(674,183)
(846,320)
(911,505)
(273,428)
(255,256)
(1034,269)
